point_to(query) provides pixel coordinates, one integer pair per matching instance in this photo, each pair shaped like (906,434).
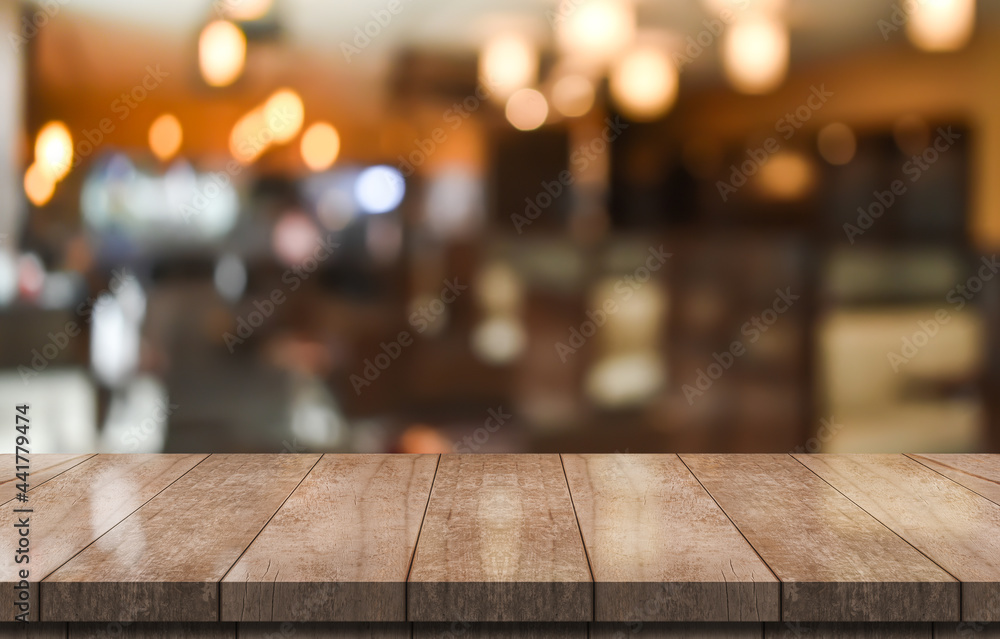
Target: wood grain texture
(659,546)
(956,528)
(12,630)
(966,630)
(848,630)
(642,630)
(466,630)
(835,561)
(164,562)
(115,630)
(43,468)
(75,508)
(287,630)
(340,547)
(978,473)
(500,542)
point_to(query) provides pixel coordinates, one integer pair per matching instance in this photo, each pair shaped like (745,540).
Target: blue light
(379,189)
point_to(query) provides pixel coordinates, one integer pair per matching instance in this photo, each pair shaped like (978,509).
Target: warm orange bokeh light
(38,185)
(320,146)
(284,114)
(165,136)
(54,151)
(222,50)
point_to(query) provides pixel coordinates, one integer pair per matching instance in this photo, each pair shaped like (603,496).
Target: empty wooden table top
(340,547)
(501,538)
(836,562)
(660,547)
(500,542)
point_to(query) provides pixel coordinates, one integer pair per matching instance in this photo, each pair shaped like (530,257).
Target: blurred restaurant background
(518,226)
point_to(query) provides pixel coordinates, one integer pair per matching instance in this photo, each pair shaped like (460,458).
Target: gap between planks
(420,529)
(886,526)
(781,585)
(280,506)
(583,542)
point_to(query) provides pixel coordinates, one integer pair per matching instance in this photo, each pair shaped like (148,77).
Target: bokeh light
(454,205)
(246,10)
(508,62)
(755,53)
(498,289)
(379,189)
(30,275)
(295,238)
(941,25)
(38,185)
(836,143)
(644,83)
(54,150)
(499,340)
(230,277)
(596,30)
(788,175)
(284,114)
(320,146)
(573,95)
(250,137)
(527,109)
(222,50)
(165,136)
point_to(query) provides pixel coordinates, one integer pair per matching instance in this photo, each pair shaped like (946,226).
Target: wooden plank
(43,468)
(287,630)
(978,473)
(164,562)
(340,547)
(966,630)
(835,561)
(529,630)
(953,526)
(677,630)
(848,630)
(75,508)
(152,630)
(500,542)
(17,630)
(659,546)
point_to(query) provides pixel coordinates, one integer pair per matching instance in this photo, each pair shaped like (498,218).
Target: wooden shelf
(407,545)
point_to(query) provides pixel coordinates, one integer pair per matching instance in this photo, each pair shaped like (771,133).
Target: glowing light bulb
(320,146)
(755,53)
(644,83)
(222,50)
(165,136)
